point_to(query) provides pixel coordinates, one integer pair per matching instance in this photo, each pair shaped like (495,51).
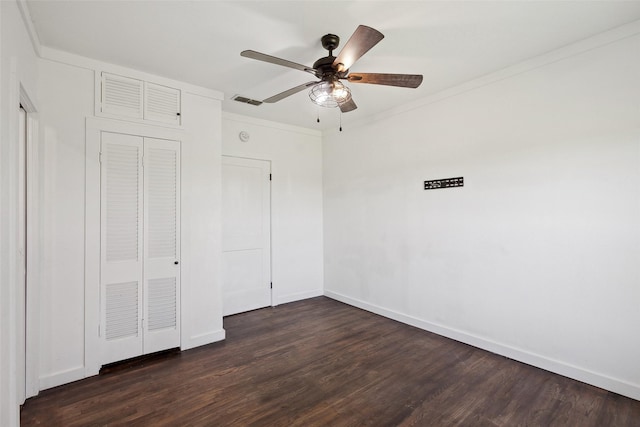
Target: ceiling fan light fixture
(329,91)
(330,94)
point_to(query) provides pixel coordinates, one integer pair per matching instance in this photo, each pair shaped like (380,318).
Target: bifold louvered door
(140,234)
(161,248)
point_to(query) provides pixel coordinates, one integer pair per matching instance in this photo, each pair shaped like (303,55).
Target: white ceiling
(199,42)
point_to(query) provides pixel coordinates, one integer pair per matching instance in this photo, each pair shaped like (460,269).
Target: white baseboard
(78,373)
(558,367)
(283,299)
(61,377)
(203,339)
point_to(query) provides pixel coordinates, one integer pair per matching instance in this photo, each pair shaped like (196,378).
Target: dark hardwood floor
(319,362)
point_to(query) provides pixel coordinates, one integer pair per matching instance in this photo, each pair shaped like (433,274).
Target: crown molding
(599,40)
(68,58)
(28,23)
(269,124)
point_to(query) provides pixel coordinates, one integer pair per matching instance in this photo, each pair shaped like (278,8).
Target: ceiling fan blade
(401,80)
(362,39)
(348,106)
(289,92)
(274,60)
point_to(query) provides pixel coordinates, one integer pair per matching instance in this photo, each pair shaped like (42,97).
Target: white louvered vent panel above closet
(162,202)
(143,101)
(121,310)
(122,96)
(161,104)
(122,210)
(162,303)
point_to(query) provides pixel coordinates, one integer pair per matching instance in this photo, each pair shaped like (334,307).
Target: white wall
(17,68)
(201,234)
(66,94)
(67,100)
(296,200)
(537,257)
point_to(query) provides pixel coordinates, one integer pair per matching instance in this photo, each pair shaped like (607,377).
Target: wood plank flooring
(319,362)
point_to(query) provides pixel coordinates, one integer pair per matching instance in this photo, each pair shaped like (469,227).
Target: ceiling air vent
(246,100)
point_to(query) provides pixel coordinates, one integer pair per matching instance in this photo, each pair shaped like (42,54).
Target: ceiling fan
(329,91)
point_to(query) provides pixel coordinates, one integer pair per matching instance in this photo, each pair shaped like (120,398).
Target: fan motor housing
(324,66)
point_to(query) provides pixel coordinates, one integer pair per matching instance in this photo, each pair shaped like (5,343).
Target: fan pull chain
(318,112)
(340,120)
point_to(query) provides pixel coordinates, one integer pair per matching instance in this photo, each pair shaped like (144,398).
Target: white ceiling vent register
(136,99)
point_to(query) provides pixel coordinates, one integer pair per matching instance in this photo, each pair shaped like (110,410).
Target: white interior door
(161,245)
(121,246)
(246,234)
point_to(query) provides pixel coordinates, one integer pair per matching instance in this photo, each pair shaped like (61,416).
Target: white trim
(10,352)
(565,52)
(269,124)
(203,339)
(14,333)
(298,296)
(92,352)
(34,247)
(62,377)
(556,366)
(28,23)
(98,66)
(94,126)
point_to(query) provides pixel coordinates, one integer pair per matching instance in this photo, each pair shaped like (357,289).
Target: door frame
(33,238)
(94,128)
(19,308)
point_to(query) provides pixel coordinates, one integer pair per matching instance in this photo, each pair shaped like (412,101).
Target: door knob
(175,262)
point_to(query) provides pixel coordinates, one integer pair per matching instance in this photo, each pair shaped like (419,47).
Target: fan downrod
(324,66)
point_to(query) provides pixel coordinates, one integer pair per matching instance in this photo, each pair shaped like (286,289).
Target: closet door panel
(161,244)
(121,246)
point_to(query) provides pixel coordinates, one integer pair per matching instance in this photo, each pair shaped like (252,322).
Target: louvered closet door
(161,244)
(121,271)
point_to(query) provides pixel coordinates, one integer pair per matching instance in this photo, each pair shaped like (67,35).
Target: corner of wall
(203,339)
